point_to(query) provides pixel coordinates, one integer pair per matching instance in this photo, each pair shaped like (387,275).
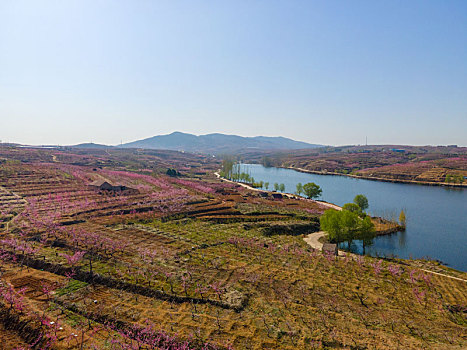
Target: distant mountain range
(216,143)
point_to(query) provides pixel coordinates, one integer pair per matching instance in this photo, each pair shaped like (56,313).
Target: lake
(436,216)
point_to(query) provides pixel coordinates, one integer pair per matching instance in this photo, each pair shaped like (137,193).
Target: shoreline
(288,195)
(312,239)
(385,232)
(380,179)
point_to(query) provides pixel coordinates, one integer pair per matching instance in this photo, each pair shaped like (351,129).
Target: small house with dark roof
(330,248)
(277,196)
(102,185)
(107,186)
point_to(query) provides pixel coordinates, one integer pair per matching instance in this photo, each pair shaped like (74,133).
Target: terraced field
(198,264)
(11,205)
(432,165)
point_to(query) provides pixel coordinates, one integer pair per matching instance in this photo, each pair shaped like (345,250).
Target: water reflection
(402,238)
(392,242)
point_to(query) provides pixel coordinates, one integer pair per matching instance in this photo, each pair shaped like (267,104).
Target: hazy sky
(329,72)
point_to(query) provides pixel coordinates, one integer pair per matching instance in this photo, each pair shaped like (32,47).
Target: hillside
(444,165)
(90,145)
(217,143)
(194,263)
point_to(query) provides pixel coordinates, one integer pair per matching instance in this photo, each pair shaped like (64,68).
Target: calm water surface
(436,216)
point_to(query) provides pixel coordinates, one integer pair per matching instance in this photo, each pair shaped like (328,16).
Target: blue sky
(329,72)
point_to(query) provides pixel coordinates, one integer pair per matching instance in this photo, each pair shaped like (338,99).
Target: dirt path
(329,205)
(250,187)
(443,275)
(313,240)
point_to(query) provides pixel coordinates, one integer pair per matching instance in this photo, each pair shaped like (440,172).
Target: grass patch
(72,286)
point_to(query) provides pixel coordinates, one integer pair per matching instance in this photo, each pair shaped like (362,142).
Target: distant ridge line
(217,143)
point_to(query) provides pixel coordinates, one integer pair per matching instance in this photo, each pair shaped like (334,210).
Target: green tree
(350,225)
(345,225)
(354,208)
(266,185)
(245,177)
(312,190)
(330,222)
(361,201)
(282,187)
(230,167)
(299,190)
(455,178)
(366,232)
(276,186)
